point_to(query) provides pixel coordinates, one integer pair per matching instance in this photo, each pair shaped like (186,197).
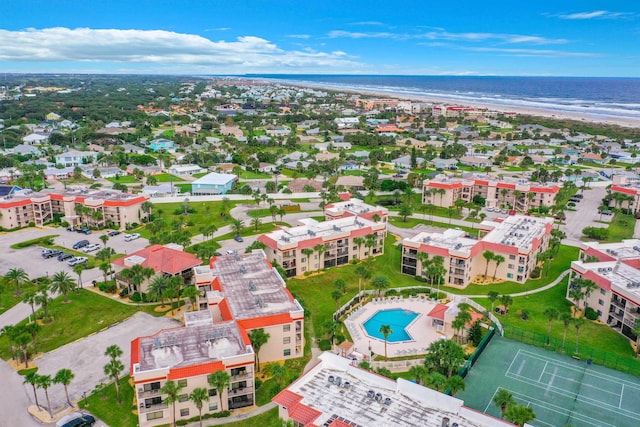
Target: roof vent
(387,401)
(243,269)
(338,381)
(346,384)
(371,394)
(609,268)
(252,286)
(458,245)
(378,397)
(331,379)
(259,302)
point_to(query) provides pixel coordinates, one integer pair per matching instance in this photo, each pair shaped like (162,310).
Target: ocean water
(594,97)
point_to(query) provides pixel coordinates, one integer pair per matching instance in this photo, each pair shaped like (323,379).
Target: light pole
(84,398)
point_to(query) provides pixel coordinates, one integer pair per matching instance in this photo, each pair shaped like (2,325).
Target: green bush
(591,314)
(524,314)
(596,233)
(324,345)
(535,273)
(137,297)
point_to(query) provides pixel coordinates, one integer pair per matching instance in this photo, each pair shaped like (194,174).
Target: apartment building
(247,289)
(458,112)
(630,187)
(517,194)
(337,393)
(517,238)
(188,356)
(355,207)
(316,245)
(101,207)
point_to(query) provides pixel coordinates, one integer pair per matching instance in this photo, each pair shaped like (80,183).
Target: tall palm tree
(113,352)
(488,256)
(493,296)
(578,323)
(566,322)
(307,252)
(363,275)
(18,276)
(319,249)
(158,288)
(498,259)
(220,381)
(104,239)
(64,376)
(256,223)
(63,283)
(551,314)
(198,396)
(503,399)
(30,298)
(44,382)
(506,301)
(237,225)
(519,414)
(78,269)
(258,338)
(358,241)
(385,330)
(113,369)
(380,283)
(172,390)
(32,378)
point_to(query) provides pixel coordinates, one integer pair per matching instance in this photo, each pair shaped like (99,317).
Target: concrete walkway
(532,291)
(238,417)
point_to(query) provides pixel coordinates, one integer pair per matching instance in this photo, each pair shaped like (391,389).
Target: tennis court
(561,391)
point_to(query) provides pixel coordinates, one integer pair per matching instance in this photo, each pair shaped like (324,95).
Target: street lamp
(84,398)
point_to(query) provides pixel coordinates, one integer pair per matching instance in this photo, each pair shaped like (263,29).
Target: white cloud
(600,14)
(531,52)
(157,47)
(299,36)
(444,35)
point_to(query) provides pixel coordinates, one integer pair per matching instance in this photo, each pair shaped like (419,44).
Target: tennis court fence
(628,365)
(464,370)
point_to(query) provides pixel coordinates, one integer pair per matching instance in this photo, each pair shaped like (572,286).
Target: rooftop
(215,179)
(450,239)
(336,393)
(251,286)
(353,206)
(516,230)
(193,345)
(160,258)
(626,249)
(620,277)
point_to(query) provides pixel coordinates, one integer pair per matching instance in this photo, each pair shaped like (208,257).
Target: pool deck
(420,329)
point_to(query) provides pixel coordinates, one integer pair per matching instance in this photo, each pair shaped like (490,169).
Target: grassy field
(107,408)
(124,179)
(621,227)
(268,419)
(167,177)
(412,222)
(254,175)
(205,213)
(9,299)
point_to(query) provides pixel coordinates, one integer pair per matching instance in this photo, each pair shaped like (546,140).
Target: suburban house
(444,164)
(351,182)
(35,138)
(213,183)
(55,173)
(161,144)
(185,169)
(315,245)
(337,393)
(518,239)
(355,207)
(75,158)
(168,260)
(476,162)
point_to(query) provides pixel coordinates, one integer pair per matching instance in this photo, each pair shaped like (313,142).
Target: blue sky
(456,37)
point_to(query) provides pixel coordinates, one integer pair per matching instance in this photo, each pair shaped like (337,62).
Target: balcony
(144,408)
(617,315)
(618,303)
(240,391)
(149,393)
(242,376)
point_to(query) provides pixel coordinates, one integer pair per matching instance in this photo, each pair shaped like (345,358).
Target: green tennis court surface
(561,390)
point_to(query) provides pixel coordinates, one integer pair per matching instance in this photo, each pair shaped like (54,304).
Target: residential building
(185,169)
(247,289)
(161,144)
(213,183)
(188,356)
(73,158)
(355,207)
(370,104)
(350,182)
(337,393)
(168,260)
(628,186)
(517,238)
(521,195)
(287,246)
(101,207)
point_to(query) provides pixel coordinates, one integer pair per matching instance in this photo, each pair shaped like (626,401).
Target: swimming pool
(397,318)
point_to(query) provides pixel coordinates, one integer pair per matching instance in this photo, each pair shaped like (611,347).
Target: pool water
(397,318)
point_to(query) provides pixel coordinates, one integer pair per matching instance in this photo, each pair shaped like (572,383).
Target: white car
(91,248)
(77,260)
(489,209)
(130,237)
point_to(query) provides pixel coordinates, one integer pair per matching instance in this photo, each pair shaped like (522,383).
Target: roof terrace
(516,230)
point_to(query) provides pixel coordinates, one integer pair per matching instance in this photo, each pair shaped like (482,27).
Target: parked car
(579,196)
(80,244)
(77,419)
(237,238)
(91,248)
(230,252)
(489,209)
(84,230)
(64,256)
(113,233)
(77,260)
(51,253)
(130,237)
(606,213)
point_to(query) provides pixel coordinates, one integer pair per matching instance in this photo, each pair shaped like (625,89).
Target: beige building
(520,195)
(188,356)
(517,238)
(96,208)
(294,248)
(355,207)
(247,289)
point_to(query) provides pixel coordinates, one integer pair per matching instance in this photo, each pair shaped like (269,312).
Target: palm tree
(506,301)
(64,376)
(332,327)
(551,314)
(380,283)
(22,340)
(236,226)
(198,396)
(385,330)
(566,321)
(172,390)
(44,382)
(358,241)
(493,296)
(104,238)
(220,381)
(578,323)
(32,329)
(335,295)
(256,223)
(32,378)
(503,399)
(437,381)
(175,287)
(498,259)
(191,293)
(18,276)
(44,300)
(589,286)
(418,373)
(576,295)
(519,414)
(369,243)
(455,384)
(158,288)
(113,369)
(63,283)
(488,256)
(30,298)
(78,269)
(307,252)
(278,372)
(147,207)
(258,338)
(340,285)
(363,275)
(319,249)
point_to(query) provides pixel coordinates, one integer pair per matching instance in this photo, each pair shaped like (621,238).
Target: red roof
(287,398)
(345,196)
(195,370)
(626,190)
(339,423)
(438,311)
(135,354)
(161,258)
(304,414)
(474,317)
(261,322)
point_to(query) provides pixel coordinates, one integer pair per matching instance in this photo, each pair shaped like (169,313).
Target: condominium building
(247,289)
(316,245)
(521,195)
(336,393)
(355,207)
(630,187)
(517,238)
(188,356)
(100,207)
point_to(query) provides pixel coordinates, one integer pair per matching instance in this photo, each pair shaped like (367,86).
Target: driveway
(86,357)
(16,398)
(585,215)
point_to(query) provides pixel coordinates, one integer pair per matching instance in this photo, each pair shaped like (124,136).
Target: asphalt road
(585,215)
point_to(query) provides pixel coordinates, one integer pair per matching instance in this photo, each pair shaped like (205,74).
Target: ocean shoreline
(556,114)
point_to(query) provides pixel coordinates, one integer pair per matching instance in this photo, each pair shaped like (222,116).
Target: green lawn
(249,230)
(268,419)
(412,222)
(9,299)
(167,177)
(254,175)
(107,408)
(621,227)
(184,188)
(124,179)
(199,175)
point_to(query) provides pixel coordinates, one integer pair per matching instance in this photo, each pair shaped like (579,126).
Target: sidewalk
(239,417)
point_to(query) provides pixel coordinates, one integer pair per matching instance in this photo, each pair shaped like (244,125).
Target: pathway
(532,291)
(238,417)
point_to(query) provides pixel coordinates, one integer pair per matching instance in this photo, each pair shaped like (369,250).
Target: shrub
(124,292)
(524,314)
(596,233)
(137,297)
(591,314)
(258,383)
(324,345)
(535,273)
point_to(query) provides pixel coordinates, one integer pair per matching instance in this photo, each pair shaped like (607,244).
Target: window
(151,386)
(182,383)
(286,328)
(286,340)
(287,352)
(213,392)
(184,412)
(303,260)
(602,291)
(512,257)
(509,275)
(154,415)
(183,397)
(511,266)
(600,302)
(213,407)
